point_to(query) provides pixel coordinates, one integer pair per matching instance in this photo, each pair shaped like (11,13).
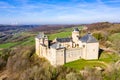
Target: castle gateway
(63,50)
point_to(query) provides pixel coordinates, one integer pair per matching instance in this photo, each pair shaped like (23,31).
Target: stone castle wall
(63,56)
(37,46)
(51,56)
(60,57)
(92,51)
(73,54)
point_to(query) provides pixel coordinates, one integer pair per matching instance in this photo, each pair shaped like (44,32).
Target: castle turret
(41,40)
(90,47)
(46,42)
(75,35)
(37,45)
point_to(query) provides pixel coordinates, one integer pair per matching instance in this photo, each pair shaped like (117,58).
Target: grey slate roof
(76,29)
(88,38)
(63,39)
(56,45)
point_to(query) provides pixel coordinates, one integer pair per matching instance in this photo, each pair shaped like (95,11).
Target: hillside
(18,60)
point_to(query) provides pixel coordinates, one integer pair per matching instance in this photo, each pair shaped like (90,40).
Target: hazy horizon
(59,11)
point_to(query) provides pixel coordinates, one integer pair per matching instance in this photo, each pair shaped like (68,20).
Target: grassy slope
(7,45)
(108,57)
(114,36)
(80,64)
(104,60)
(29,41)
(59,35)
(66,32)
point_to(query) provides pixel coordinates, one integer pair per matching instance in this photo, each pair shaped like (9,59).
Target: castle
(63,50)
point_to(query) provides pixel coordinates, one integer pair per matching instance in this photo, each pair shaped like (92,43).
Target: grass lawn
(0,52)
(108,58)
(80,64)
(29,41)
(59,35)
(66,32)
(114,36)
(7,45)
(103,61)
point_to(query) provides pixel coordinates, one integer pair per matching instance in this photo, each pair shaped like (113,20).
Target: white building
(63,50)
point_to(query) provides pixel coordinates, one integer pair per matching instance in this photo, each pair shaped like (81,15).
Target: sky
(59,11)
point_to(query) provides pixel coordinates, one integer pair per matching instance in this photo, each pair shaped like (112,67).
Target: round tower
(37,45)
(46,41)
(75,35)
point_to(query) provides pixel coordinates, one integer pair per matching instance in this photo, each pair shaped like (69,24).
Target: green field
(109,57)
(103,61)
(114,36)
(66,32)
(28,41)
(81,64)
(59,35)
(7,45)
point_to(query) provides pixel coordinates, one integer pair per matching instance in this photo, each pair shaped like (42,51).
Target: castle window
(59,45)
(77,45)
(83,46)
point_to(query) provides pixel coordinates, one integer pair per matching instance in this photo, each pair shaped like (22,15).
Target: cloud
(5,5)
(112,1)
(79,11)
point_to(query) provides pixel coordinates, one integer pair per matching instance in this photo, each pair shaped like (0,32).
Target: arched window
(83,46)
(77,44)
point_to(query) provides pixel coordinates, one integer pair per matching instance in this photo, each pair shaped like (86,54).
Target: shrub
(102,36)
(73,76)
(62,72)
(112,72)
(5,54)
(2,63)
(116,45)
(92,74)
